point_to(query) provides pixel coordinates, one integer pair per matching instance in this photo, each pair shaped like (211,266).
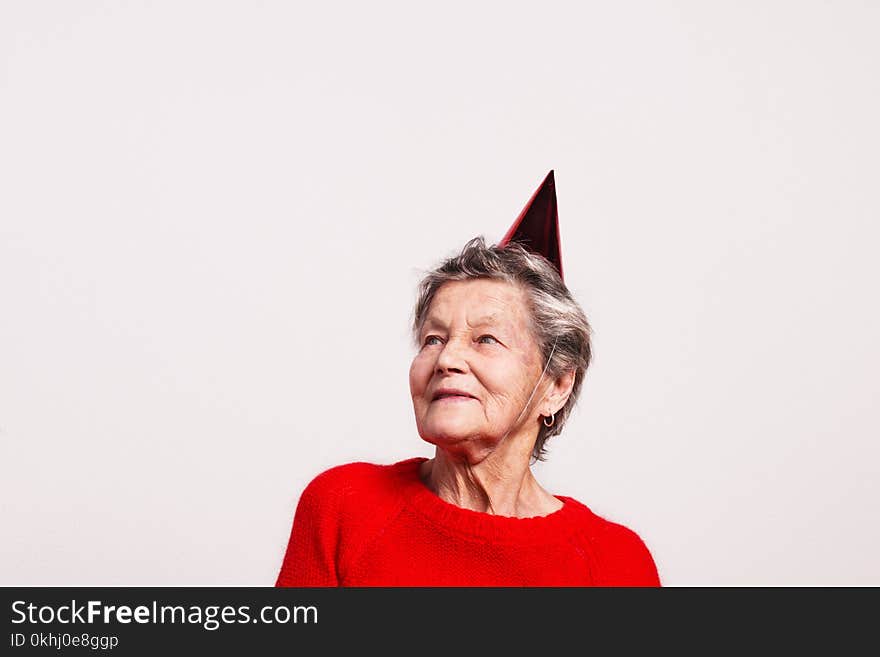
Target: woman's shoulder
(363,482)
(354,502)
(600,528)
(621,551)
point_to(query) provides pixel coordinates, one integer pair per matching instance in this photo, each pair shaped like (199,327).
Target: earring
(552,420)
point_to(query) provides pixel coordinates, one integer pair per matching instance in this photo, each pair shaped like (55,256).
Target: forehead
(479,300)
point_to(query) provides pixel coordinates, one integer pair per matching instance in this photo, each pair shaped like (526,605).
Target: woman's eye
(487,339)
(432,339)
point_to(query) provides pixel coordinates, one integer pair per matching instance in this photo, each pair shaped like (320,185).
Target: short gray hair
(559,325)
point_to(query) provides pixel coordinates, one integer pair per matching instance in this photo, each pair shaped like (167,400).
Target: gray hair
(558,323)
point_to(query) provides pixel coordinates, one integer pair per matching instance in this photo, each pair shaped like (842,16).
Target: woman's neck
(496,485)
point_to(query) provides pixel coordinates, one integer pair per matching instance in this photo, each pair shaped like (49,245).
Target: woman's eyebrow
(482,320)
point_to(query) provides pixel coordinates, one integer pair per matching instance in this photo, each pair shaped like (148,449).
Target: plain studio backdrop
(213,217)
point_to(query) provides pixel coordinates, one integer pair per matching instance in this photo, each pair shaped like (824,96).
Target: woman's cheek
(418,373)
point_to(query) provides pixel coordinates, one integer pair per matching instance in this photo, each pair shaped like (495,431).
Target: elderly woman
(502,352)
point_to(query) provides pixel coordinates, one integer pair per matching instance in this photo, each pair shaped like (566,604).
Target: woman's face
(476,368)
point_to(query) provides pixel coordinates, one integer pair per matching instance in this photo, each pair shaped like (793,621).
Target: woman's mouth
(451,395)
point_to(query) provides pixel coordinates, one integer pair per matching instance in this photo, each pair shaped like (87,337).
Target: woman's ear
(560,391)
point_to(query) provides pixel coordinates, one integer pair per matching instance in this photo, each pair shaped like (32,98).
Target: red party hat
(537,226)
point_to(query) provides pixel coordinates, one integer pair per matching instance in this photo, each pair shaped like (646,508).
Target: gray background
(214,214)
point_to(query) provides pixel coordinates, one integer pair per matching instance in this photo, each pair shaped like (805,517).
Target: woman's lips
(453,398)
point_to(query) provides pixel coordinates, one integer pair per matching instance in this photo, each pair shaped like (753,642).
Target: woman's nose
(452,358)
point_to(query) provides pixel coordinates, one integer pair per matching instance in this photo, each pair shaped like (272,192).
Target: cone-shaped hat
(537,226)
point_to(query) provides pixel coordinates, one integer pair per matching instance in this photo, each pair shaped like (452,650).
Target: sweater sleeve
(627,560)
(311,556)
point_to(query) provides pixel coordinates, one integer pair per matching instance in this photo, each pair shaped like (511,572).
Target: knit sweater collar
(485,526)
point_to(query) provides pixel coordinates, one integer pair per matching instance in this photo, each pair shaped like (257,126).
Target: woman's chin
(446,436)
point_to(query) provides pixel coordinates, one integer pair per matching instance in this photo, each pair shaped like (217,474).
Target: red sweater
(362,524)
